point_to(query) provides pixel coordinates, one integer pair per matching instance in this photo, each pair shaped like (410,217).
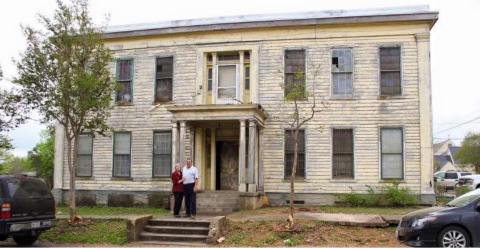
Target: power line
(461,124)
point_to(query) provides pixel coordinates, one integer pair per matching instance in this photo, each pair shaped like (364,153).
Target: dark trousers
(190,199)
(178,202)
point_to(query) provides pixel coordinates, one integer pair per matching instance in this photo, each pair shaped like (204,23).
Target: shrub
(461,190)
(399,197)
(387,196)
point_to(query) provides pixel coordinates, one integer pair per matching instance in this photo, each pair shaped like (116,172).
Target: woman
(177,189)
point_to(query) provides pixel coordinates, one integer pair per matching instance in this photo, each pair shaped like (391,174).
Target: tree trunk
(72,158)
(291,218)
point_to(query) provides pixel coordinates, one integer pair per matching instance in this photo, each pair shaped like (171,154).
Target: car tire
(3,237)
(25,240)
(453,234)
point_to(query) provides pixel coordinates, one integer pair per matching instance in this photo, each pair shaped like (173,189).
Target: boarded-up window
(289,153)
(342,71)
(84,155)
(162,153)
(121,154)
(124,80)
(294,70)
(392,153)
(164,79)
(342,154)
(390,71)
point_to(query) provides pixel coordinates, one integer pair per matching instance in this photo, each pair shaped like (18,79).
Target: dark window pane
(294,68)
(247,77)
(121,166)
(390,58)
(451,175)
(27,188)
(124,92)
(84,165)
(342,161)
(289,153)
(228,56)
(163,91)
(124,70)
(390,83)
(165,67)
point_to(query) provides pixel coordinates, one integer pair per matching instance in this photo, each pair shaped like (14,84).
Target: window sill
(165,178)
(350,98)
(121,179)
(392,181)
(123,104)
(163,103)
(84,178)
(388,97)
(343,181)
(297,180)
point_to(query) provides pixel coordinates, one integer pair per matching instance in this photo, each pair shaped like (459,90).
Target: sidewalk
(365,220)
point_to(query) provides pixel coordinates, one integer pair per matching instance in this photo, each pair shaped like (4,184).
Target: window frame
(379,73)
(285,177)
(113,157)
(305,70)
(380,153)
(132,73)
(153,152)
(156,79)
(237,85)
(91,157)
(338,96)
(353,153)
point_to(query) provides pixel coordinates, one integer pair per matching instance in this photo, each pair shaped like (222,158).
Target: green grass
(98,210)
(112,232)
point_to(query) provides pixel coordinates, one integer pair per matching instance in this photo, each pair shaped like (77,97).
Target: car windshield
(466,199)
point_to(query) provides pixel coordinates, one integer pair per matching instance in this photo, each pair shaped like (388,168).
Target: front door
(227,165)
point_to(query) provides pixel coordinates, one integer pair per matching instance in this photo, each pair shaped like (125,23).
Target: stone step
(178,223)
(169,243)
(149,236)
(176,230)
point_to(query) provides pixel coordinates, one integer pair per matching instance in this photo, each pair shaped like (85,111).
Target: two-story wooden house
(212,90)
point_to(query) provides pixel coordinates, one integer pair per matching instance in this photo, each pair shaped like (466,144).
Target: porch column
(213,155)
(241,159)
(174,144)
(182,143)
(252,145)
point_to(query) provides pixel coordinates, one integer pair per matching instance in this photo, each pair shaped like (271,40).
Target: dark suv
(27,208)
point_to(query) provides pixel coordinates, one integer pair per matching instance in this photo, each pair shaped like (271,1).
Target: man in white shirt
(190,182)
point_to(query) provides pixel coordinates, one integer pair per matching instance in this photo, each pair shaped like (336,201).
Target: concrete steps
(173,231)
(218,202)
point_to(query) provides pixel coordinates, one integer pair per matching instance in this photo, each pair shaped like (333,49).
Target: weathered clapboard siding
(366,113)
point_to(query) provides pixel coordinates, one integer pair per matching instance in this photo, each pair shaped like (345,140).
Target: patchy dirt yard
(306,233)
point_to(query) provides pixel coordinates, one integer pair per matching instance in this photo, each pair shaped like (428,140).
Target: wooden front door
(227,165)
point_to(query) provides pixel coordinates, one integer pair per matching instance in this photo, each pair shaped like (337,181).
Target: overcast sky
(454,45)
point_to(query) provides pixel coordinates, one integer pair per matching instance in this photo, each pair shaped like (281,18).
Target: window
(227,88)
(164,79)
(294,70)
(124,80)
(390,71)
(392,153)
(210,78)
(121,154)
(84,155)
(289,153)
(342,154)
(451,175)
(342,72)
(247,77)
(162,153)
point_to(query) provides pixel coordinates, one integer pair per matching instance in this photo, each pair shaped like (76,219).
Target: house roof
(407,13)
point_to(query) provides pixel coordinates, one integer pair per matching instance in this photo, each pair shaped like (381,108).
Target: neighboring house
(444,157)
(211,89)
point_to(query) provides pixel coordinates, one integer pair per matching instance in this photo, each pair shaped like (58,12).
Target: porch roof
(216,112)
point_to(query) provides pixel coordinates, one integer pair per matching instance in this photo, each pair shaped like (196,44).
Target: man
(190,182)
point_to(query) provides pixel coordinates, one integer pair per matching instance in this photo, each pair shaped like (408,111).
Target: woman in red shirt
(177,189)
